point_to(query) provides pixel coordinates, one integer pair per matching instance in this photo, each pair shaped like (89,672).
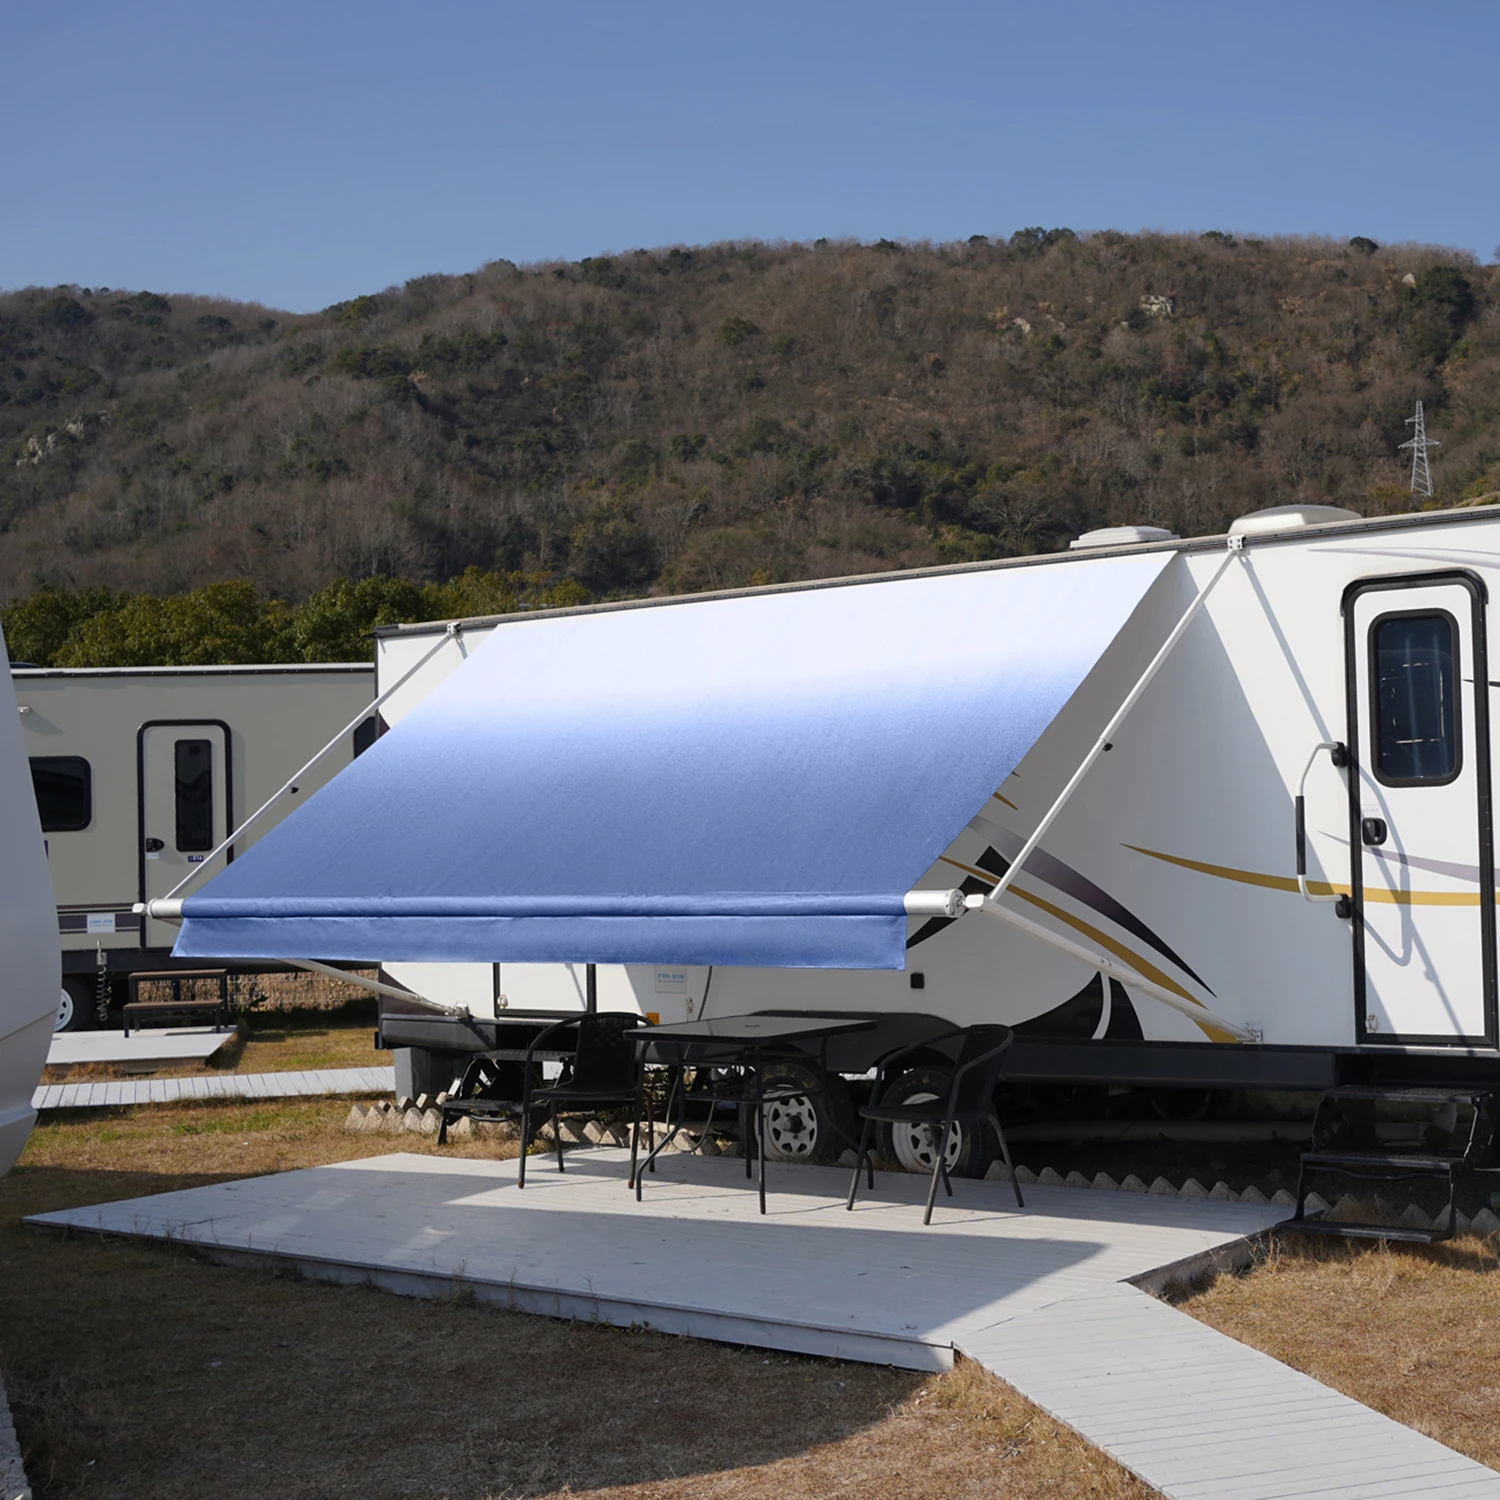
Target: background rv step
(1384,1164)
(1397,1093)
(1402,1233)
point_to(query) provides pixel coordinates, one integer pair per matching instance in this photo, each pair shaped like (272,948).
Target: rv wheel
(75,1007)
(812,1127)
(911,1146)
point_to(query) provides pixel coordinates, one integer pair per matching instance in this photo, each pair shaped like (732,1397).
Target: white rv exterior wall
(1187,822)
(28,944)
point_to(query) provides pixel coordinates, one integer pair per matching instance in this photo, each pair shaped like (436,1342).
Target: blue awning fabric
(754,781)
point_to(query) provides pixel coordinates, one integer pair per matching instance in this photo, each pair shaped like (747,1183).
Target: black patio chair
(489,1092)
(971,1089)
(603,1071)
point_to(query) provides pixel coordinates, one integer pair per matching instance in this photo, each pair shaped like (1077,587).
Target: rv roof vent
(1289,517)
(1123,536)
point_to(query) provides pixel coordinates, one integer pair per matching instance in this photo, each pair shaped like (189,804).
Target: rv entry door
(183,771)
(1423,882)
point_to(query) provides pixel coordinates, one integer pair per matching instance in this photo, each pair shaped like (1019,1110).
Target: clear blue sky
(298,153)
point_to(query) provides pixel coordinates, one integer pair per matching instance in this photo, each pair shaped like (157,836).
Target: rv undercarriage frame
(1036,1060)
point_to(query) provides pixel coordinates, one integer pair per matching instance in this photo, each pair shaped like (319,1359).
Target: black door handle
(154,846)
(1373,831)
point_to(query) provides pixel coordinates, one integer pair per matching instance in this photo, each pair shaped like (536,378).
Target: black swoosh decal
(1076,884)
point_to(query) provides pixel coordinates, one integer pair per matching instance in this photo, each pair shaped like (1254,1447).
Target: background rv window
(195,796)
(1416,712)
(64,786)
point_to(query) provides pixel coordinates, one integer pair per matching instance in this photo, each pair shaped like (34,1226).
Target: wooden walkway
(1041,1297)
(1203,1417)
(13,1484)
(310,1083)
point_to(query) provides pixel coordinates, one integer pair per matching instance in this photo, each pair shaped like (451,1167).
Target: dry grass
(1408,1330)
(140,1370)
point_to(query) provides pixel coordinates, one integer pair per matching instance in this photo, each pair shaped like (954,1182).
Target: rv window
(1415,711)
(195,795)
(64,787)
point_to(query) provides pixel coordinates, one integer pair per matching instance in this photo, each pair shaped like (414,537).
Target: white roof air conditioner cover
(1123,536)
(1289,517)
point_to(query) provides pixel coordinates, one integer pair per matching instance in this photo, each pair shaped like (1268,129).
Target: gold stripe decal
(1144,967)
(1376,894)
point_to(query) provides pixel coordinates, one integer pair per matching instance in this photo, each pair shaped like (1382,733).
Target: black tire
(969,1152)
(75,1006)
(816,1127)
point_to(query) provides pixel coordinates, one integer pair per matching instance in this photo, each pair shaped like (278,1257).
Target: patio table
(744,1042)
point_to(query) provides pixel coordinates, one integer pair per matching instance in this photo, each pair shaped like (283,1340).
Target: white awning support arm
(197,872)
(1106,965)
(1236,546)
(376,988)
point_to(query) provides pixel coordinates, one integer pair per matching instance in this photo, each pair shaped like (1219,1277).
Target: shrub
(371,362)
(1436,309)
(356,310)
(735,331)
(610,550)
(63,312)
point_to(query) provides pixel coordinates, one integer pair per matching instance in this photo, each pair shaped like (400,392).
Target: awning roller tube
(935,903)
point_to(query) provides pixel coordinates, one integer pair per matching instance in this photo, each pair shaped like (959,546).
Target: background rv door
(184,790)
(1423,874)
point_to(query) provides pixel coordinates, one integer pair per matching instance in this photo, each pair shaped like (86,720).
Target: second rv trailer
(140,774)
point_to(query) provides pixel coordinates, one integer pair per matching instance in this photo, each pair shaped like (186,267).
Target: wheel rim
(791,1128)
(913,1144)
(64,1016)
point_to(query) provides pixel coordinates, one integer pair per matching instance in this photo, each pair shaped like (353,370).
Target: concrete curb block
(13,1484)
(421,1117)
(1484,1223)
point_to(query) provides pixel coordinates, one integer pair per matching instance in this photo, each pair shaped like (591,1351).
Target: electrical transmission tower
(1421,474)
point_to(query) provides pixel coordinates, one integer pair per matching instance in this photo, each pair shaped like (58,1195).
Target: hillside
(686,419)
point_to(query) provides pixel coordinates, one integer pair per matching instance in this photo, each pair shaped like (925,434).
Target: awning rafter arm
(453,632)
(375,987)
(1236,547)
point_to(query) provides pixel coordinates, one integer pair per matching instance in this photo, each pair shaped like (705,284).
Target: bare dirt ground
(140,1370)
(1408,1330)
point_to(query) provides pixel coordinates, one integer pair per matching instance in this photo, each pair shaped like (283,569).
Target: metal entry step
(1397,1233)
(1344,1140)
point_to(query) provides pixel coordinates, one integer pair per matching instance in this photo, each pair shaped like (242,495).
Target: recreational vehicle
(28,949)
(141,772)
(1212,812)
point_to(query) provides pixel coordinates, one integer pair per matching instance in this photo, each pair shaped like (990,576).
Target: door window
(64,792)
(1414,704)
(195,795)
